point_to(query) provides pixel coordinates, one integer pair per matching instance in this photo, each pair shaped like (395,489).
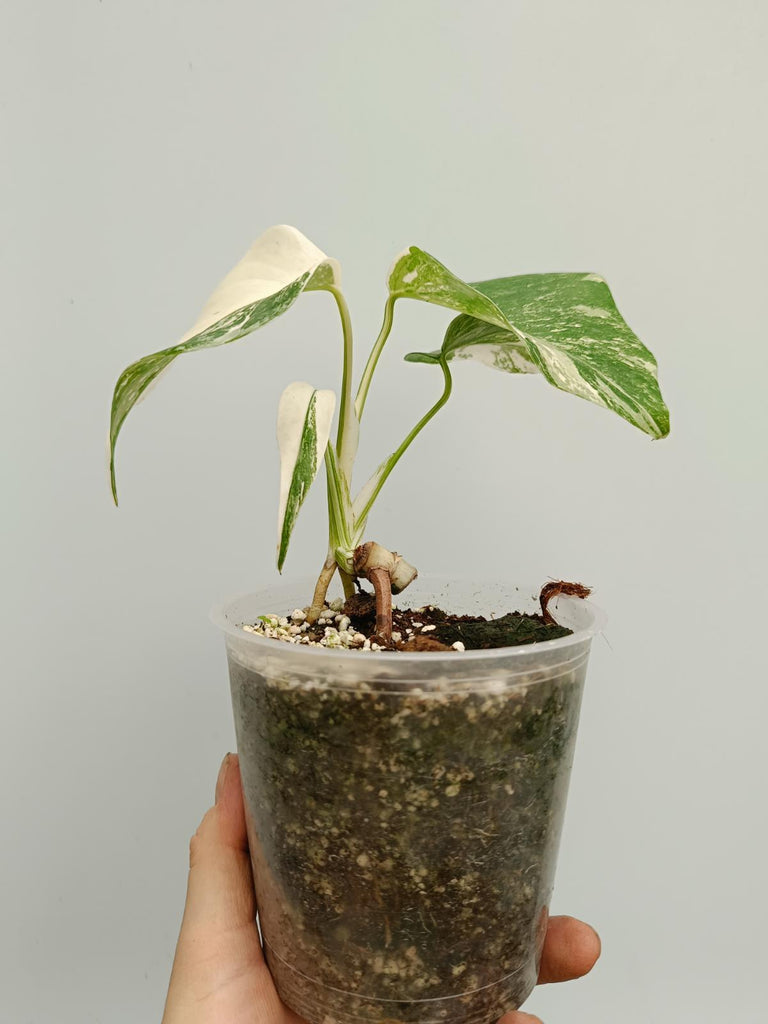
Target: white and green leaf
(417,275)
(278,267)
(303,428)
(566,327)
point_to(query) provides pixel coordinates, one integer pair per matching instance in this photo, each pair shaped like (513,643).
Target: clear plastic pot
(404,810)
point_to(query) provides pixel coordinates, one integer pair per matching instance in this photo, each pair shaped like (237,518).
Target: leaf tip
(112,476)
(662,423)
(282,551)
(423,357)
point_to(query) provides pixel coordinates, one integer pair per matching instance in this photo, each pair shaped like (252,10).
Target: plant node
(389,574)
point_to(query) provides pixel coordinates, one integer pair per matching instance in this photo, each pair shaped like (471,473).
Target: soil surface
(432,629)
(352,625)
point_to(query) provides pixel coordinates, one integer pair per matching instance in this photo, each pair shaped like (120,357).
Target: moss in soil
(511,630)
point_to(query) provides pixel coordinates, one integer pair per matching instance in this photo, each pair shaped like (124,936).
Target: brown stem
(382,587)
(321,589)
(554,589)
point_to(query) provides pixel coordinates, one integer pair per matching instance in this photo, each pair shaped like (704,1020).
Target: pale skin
(219,975)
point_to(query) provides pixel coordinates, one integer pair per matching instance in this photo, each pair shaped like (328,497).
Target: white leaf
(276,259)
(278,267)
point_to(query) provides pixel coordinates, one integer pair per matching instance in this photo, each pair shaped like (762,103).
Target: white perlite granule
(336,627)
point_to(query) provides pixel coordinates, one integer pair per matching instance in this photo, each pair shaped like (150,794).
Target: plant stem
(348,582)
(373,358)
(339,509)
(394,458)
(346,379)
(321,589)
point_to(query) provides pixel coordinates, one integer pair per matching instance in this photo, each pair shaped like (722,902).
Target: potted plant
(405,770)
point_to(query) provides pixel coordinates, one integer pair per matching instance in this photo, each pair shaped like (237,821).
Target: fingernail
(222,776)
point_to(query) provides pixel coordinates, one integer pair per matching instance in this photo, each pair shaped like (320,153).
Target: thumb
(220,894)
(218,953)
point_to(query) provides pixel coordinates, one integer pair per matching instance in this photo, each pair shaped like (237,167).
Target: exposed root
(382,588)
(389,573)
(554,589)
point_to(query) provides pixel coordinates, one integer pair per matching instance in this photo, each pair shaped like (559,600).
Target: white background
(146,144)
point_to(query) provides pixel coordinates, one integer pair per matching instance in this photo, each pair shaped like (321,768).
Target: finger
(571,950)
(220,887)
(229,804)
(519,1018)
(219,953)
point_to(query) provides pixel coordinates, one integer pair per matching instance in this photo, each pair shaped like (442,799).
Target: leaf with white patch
(278,267)
(566,327)
(303,428)
(417,275)
(494,346)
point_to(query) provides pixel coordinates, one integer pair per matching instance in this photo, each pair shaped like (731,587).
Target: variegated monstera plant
(563,326)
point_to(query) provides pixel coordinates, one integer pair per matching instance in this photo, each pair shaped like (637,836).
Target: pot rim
(220,617)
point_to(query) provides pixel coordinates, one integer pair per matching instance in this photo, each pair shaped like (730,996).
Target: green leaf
(280,264)
(417,275)
(303,428)
(566,327)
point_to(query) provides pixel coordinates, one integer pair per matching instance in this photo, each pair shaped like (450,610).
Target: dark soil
(404,839)
(431,628)
(404,843)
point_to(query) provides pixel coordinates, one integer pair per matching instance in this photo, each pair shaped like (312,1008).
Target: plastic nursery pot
(404,810)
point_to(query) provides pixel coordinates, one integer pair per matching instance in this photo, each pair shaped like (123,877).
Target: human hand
(219,973)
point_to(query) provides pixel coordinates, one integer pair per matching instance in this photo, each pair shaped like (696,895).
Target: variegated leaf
(303,428)
(573,334)
(278,267)
(417,275)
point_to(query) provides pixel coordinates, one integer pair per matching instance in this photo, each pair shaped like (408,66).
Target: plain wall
(146,144)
